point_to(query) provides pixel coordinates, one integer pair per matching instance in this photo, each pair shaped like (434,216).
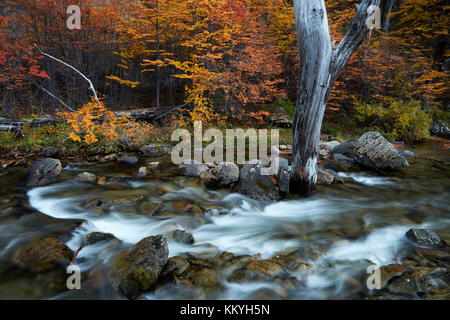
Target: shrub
(401,120)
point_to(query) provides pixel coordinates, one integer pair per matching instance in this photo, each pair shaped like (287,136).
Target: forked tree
(319,66)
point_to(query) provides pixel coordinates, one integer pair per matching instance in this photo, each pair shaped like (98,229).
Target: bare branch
(91,86)
(53,96)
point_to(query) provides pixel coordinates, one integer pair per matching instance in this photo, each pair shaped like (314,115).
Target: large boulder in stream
(227,174)
(43,255)
(374,152)
(256,185)
(136,270)
(423,237)
(193,168)
(43,171)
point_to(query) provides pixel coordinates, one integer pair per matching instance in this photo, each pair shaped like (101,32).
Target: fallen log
(148,115)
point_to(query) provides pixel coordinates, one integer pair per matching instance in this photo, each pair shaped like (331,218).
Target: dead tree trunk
(319,65)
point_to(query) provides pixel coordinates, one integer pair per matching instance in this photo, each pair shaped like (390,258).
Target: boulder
(151,151)
(283,176)
(324,177)
(227,174)
(110,157)
(95,237)
(346,148)
(408,154)
(143,172)
(175,266)
(373,151)
(43,255)
(128,161)
(257,186)
(193,168)
(50,152)
(329,145)
(43,171)
(423,237)
(181,236)
(440,129)
(86,177)
(136,270)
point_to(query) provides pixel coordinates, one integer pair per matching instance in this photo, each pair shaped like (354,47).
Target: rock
(94,237)
(440,129)
(227,174)
(43,171)
(329,145)
(86,177)
(175,266)
(151,151)
(257,186)
(210,180)
(143,172)
(43,255)
(375,152)
(408,154)
(137,270)
(346,148)
(110,157)
(408,283)
(181,236)
(324,154)
(283,176)
(50,152)
(423,237)
(324,177)
(343,159)
(128,161)
(193,168)
(390,271)
(101,181)
(267,267)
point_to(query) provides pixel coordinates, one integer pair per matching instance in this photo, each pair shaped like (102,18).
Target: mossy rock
(43,255)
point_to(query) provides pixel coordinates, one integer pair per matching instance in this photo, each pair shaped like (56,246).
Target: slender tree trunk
(158,69)
(319,67)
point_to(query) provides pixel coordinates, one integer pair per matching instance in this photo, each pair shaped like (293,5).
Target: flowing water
(347,226)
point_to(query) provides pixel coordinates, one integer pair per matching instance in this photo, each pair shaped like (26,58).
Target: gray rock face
(151,151)
(193,168)
(423,237)
(128,161)
(227,174)
(257,186)
(43,171)
(346,148)
(50,152)
(375,152)
(440,129)
(86,177)
(137,270)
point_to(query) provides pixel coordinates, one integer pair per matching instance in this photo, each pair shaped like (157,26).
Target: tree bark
(319,67)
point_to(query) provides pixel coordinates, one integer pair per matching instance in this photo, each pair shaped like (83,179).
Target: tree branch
(53,96)
(353,39)
(91,86)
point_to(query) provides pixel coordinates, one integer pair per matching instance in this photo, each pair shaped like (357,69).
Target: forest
(353,96)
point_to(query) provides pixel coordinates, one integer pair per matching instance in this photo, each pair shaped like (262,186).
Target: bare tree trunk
(319,67)
(158,69)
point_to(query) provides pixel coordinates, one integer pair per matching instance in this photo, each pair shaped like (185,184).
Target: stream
(341,228)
